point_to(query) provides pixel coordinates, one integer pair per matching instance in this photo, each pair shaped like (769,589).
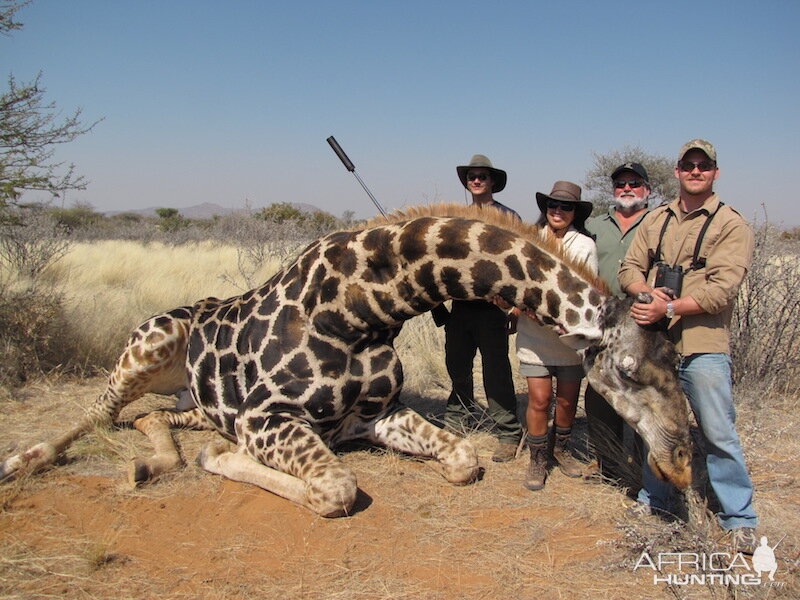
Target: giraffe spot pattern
(451,277)
(426,278)
(413,244)
(453,242)
(495,241)
(514,267)
(485,275)
(572,317)
(553,302)
(309,353)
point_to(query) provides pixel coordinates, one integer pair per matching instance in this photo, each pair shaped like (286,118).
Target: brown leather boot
(537,468)
(566,462)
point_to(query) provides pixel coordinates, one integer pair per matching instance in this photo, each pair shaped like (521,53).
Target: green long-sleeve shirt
(612,245)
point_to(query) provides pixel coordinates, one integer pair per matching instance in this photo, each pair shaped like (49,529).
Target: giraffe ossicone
(287,371)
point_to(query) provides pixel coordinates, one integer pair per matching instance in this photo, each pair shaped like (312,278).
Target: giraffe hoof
(138,472)
(35,459)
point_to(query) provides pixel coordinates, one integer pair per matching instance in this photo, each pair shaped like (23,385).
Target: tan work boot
(566,462)
(537,468)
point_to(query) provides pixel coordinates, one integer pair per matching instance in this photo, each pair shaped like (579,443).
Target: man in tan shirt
(698,316)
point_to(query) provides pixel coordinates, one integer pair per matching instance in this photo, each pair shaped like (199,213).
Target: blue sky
(225,102)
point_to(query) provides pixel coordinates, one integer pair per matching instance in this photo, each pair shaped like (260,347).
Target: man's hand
(647,314)
(664,293)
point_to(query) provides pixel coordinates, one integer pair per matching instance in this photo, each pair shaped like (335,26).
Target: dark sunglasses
(478,176)
(704,165)
(636,183)
(565,206)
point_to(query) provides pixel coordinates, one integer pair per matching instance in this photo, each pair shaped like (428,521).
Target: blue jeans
(706,381)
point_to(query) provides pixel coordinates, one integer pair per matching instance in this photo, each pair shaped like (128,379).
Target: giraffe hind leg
(156,426)
(153,361)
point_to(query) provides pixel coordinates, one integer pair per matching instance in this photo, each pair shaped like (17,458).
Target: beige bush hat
(566,191)
(499,176)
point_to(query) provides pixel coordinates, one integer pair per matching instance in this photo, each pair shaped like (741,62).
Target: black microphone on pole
(348,164)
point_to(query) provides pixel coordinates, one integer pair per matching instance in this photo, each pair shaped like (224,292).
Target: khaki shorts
(562,372)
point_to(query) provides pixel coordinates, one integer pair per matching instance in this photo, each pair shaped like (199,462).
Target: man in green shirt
(613,233)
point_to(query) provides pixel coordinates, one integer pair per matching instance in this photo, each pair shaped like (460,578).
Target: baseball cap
(633,168)
(698,144)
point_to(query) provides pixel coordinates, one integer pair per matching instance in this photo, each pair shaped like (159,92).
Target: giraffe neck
(383,276)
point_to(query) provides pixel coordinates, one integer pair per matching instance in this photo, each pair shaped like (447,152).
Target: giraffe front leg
(407,431)
(156,426)
(288,459)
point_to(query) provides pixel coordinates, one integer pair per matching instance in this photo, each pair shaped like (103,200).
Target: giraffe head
(635,370)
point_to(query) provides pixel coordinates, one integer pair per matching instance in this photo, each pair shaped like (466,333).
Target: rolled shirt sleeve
(727,264)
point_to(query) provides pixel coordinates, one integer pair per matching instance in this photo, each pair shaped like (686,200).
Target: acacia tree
(8,11)
(660,169)
(30,131)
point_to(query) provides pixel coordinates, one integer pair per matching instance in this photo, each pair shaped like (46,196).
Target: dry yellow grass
(110,287)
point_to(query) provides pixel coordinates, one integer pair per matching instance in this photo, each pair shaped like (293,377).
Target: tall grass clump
(765,331)
(31,333)
(31,336)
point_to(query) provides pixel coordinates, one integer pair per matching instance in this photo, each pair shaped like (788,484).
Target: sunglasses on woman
(564,206)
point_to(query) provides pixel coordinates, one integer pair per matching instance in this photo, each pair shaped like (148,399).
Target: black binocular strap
(697,262)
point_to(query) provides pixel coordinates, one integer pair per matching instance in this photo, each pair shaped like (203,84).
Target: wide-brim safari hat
(499,176)
(566,191)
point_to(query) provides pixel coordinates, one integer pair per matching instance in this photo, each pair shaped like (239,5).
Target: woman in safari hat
(541,354)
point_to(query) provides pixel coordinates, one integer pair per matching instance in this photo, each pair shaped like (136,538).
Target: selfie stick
(348,164)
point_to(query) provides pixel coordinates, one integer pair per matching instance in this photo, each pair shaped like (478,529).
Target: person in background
(712,247)
(613,232)
(542,355)
(478,325)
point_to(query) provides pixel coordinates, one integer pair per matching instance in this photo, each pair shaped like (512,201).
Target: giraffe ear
(576,341)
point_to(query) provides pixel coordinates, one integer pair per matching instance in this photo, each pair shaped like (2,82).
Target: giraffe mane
(504,220)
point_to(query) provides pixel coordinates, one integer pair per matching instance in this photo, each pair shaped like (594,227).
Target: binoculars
(669,277)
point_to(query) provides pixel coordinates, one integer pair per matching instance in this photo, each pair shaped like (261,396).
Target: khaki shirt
(728,250)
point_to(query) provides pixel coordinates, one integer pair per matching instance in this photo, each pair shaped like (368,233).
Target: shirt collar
(708,207)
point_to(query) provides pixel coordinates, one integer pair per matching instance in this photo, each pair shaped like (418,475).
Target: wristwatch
(670,310)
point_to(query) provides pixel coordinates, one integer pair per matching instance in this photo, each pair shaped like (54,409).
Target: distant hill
(206,210)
